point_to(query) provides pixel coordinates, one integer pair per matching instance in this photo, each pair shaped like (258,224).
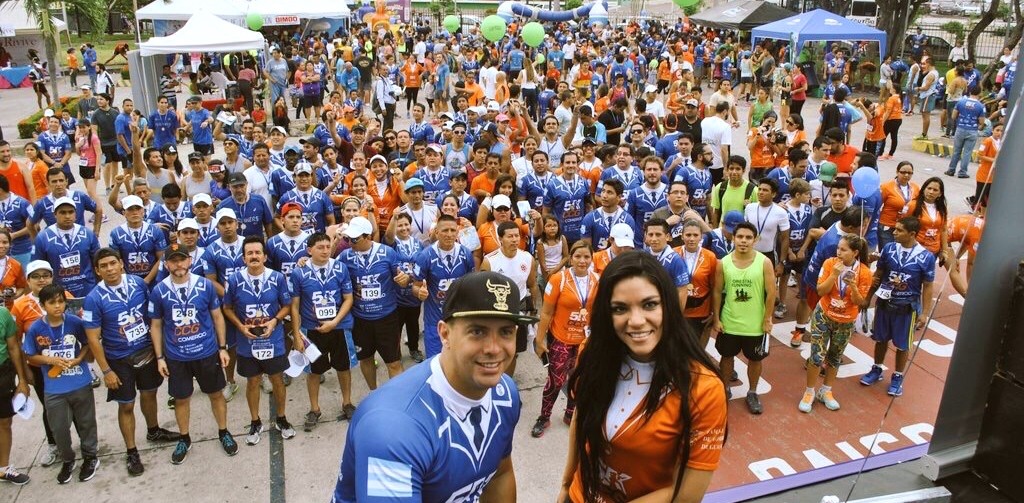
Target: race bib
(72,259)
(371,293)
(263,350)
(67,354)
(884,293)
(82,163)
(135,331)
(325,311)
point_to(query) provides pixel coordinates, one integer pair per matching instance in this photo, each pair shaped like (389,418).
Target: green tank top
(759,111)
(744,294)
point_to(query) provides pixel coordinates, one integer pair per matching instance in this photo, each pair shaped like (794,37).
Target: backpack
(748,191)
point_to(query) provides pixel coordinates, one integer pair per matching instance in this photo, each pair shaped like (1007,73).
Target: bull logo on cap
(501,293)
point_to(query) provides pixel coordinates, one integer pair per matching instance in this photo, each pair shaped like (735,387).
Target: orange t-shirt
(664,70)
(877,131)
(25,310)
(16,179)
(895,201)
(571,317)
(38,174)
(601,105)
(966,229)
(761,156)
(839,306)
(702,279)
(553,73)
(894,105)
(844,161)
(474,94)
(385,203)
(411,72)
(642,455)
(930,234)
(483,183)
(988,148)
(593,175)
(12,279)
(489,241)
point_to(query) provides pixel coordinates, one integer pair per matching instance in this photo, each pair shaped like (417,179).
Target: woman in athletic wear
(648,395)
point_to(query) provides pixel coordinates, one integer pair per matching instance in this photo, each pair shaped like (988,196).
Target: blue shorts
(928,103)
(894,323)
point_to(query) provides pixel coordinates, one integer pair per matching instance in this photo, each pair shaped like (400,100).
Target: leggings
(411,95)
(410,319)
(796,106)
(892,129)
(530,98)
(874,147)
(562,359)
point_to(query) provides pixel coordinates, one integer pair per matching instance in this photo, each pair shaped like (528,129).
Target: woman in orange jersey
(874,135)
(897,194)
(987,153)
(36,169)
(892,119)
(701,264)
(12,281)
(929,207)
(488,231)
(412,75)
(564,323)
(966,230)
(843,285)
(651,412)
(385,187)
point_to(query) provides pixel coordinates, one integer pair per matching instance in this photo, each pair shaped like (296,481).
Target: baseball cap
(490,127)
(448,125)
(279,129)
(413,183)
(48,112)
(195,156)
(231,139)
(827,171)
(651,88)
(493,106)
(202,198)
(378,157)
(131,202)
(286,207)
(501,201)
(622,235)
(170,149)
(479,110)
(458,173)
(62,201)
(692,103)
(237,179)
(589,141)
(292,149)
(175,250)
(485,294)
(37,265)
(312,140)
(225,213)
(188,223)
(359,226)
(436,148)
(732,219)
(303,167)
(359,127)
(85,86)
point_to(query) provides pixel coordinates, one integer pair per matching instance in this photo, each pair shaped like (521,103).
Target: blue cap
(293,148)
(731,220)
(412,183)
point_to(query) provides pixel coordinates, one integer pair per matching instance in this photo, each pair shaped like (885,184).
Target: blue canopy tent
(818,25)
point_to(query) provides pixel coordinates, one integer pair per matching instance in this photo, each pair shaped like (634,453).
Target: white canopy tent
(274,12)
(182,10)
(19,31)
(306,9)
(205,32)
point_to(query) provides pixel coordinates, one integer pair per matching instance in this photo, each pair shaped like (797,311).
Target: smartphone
(258,331)
(544,360)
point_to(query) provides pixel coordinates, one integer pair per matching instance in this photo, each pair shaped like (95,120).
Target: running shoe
(311,419)
(896,385)
(969,201)
(806,402)
(826,398)
(797,338)
(134,461)
(287,379)
(170,402)
(253,437)
(754,403)
(162,435)
(230,391)
(180,452)
(228,443)
(417,355)
(780,310)
(14,477)
(540,427)
(921,137)
(963,175)
(50,458)
(949,172)
(734,377)
(348,411)
(873,376)
(66,470)
(285,428)
(89,466)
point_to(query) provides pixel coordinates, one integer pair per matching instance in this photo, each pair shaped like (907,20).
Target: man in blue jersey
(567,197)
(117,325)
(795,170)
(164,124)
(140,244)
(16,216)
(69,248)
(167,214)
(903,285)
(392,450)
(286,248)
(533,186)
(252,210)
(468,205)
(435,176)
(643,200)
(623,170)
(376,276)
(189,343)
(318,211)
(321,311)
(598,223)
(969,117)
(256,302)
(656,236)
(434,271)
(45,206)
(199,123)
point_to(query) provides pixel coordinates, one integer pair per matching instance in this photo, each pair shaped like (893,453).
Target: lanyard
(582,292)
(905,193)
(184,293)
(419,224)
(762,223)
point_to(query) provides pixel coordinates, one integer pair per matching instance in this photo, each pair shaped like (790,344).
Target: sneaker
(50,458)
(180,452)
(89,466)
(949,172)
(780,310)
(311,419)
(826,398)
(969,201)
(287,379)
(255,428)
(792,281)
(806,402)
(754,403)
(14,476)
(347,412)
(921,137)
(265,384)
(285,428)
(896,385)
(230,391)
(66,470)
(734,377)
(228,443)
(162,435)
(105,218)
(873,376)
(417,355)
(567,418)
(540,426)
(963,175)
(135,467)
(797,338)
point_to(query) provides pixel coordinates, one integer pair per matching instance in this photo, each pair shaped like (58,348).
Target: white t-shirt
(716,132)
(259,182)
(564,116)
(569,50)
(488,79)
(769,222)
(656,109)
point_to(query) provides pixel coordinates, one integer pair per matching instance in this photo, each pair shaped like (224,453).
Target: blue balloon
(866,182)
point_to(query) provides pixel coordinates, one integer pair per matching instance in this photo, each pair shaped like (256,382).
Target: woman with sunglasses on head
(897,194)
(650,418)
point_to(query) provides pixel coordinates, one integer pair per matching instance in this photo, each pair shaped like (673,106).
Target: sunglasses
(638,131)
(458,132)
(390,138)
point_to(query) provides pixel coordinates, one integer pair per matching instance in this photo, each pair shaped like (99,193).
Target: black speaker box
(999,458)
(1011,362)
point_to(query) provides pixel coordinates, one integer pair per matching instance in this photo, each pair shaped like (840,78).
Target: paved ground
(311,459)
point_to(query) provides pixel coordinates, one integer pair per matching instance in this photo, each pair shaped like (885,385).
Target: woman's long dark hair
(592,384)
(940,202)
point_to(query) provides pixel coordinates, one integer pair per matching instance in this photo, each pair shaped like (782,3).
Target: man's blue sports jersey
(631,178)
(14,212)
(435,184)
(43,209)
(120,314)
(66,342)
(244,146)
(417,439)
(284,251)
(567,200)
(969,110)
(138,247)
(187,323)
(407,251)
(675,266)
(255,300)
(162,214)
(372,272)
(54,145)
(321,292)
(717,243)
(226,258)
(439,269)
(421,131)
(253,214)
(70,255)
(824,249)
(783,177)
(905,271)
(698,188)
(642,201)
(533,188)
(201,135)
(165,128)
(281,180)
(799,224)
(597,225)
(315,207)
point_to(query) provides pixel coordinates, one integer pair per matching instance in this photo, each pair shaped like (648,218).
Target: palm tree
(94,10)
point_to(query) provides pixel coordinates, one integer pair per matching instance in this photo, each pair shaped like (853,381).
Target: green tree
(955,28)
(690,10)
(572,4)
(894,17)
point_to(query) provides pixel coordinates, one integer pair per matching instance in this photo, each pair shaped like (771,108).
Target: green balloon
(533,34)
(451,23)
(540,59)
(254,21)
(493,28)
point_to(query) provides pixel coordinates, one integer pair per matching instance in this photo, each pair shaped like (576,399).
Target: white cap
(22,406)
(297,363)
(493,106)
(651,88)
(622,235)
(132,201)
(202,198)
(225,213)
(48,112)
(278,129)
(359,226)
(303,167)
(189,223)
(378,157)
(36,265)
(479,110)
(62,201)
(501,200)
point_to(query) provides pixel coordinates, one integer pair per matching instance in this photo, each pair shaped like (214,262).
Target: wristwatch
(223,347)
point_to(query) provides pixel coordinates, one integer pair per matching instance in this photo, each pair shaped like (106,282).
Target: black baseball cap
(175,250)
(195,156)
(237,179)
(485,294)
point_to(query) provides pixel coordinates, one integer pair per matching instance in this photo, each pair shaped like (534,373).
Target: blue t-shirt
(122,127)
(120,314)
(407,251)
(284,251)
(253,215)
(226,258)
(799,224)
(14,212)
(201,135)
(597,225)
(372,273)
(439,269)
(187,323)
(421,131)
(515,59)
(138,247)
(321,292)
(255,300)
(43,209)
(281,179)
(435,184)
(393,449)
(165,128)
(315,207)
(717,243)
(632,177)
(968,111)
(783,177)
(567,200)
(642,201)
(54,145)
(904,272)
(533,188)
(556,57)
(67,342)
(162,214)
(673,263)
(70,255)
(824,249)
(698,187)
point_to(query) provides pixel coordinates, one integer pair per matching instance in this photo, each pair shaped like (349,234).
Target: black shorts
(755,348)
(772,257)
(206,371)
(8,386)
(383,336)
(310,101)
(251,367)
(144,378)
(110,154)
(797,267)
(746,80)
(87,172)
(333,351)
(203,149)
